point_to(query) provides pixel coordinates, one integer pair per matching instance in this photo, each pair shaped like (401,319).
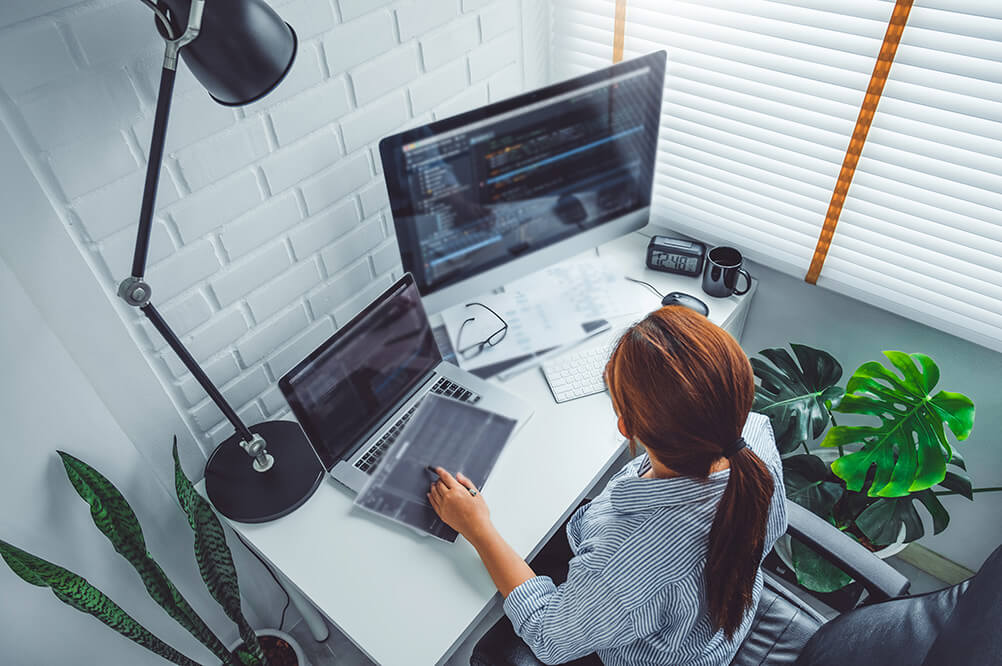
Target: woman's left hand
(458,503)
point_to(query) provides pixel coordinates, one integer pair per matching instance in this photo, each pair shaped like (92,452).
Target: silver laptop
(355,392)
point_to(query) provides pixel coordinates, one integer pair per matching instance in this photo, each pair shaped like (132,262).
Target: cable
(646,284)
(288,599)
(164,21)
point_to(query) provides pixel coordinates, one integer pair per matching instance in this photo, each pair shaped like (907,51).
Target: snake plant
(881,469)
(114,518)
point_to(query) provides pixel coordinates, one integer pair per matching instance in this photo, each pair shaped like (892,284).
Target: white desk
(410,600)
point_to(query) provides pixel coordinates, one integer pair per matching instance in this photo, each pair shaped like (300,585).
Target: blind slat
(760,102)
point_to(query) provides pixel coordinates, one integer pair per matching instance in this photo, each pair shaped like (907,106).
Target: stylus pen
(508,373)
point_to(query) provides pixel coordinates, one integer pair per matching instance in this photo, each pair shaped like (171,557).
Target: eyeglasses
(476,348)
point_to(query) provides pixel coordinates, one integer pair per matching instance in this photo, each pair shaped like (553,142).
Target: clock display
(675,255)
(675,262)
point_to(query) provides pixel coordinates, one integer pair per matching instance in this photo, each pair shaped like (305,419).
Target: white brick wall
(310,111)
(211,208)
(272,219)
(367,125)
(385,73)
(244,276)
(44,47)
(439,86)
(493,56)
(418,17)
(116,206)
(450,43)
(334,184)
(356,41)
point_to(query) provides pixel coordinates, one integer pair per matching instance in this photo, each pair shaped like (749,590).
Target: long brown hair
(684,387)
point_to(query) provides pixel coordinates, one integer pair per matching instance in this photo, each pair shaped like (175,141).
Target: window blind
(761,98)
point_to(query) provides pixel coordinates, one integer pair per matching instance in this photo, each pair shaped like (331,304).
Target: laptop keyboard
(367,463)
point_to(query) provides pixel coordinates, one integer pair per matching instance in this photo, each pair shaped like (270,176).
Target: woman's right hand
(459,504)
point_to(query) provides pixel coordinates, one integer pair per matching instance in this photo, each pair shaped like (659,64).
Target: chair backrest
(782,626)
(957,625)
(971,635)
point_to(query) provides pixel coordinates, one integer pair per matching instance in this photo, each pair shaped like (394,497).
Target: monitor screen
(348,386)
(497,184)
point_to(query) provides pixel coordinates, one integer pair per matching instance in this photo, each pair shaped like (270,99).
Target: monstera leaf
(815,572)
(810,484)
(881,521)
(794,397)
(909,448)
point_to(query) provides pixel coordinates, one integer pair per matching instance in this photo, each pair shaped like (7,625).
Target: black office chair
(956,626)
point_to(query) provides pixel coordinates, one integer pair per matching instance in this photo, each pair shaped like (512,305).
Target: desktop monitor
(493,194)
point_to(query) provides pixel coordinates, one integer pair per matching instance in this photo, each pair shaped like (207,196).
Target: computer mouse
(686,300)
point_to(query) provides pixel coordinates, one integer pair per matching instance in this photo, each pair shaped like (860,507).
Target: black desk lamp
(238,50)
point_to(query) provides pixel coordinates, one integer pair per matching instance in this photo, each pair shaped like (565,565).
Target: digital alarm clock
(675,255)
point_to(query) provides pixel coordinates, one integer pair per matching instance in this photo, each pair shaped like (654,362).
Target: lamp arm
(252,443)
(134,290)
(152,182)
(164,96)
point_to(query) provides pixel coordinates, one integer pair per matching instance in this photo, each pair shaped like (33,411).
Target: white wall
(789,310)
(272,227)
(60,329)
(47,403)
(271,231)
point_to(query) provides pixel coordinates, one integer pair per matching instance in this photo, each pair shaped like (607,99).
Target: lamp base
(240,493)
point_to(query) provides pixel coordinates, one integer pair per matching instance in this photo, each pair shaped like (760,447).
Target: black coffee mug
(720,275)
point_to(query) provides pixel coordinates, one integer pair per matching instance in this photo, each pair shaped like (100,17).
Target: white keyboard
(577,373)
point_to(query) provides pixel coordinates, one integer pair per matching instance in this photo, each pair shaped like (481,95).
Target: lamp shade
(242,50)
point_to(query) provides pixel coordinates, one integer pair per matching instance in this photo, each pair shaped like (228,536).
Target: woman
(666,560)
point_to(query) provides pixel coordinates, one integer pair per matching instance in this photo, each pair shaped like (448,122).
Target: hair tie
(739,444)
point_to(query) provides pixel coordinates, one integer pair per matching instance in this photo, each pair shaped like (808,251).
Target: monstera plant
(864,478)
(115,519)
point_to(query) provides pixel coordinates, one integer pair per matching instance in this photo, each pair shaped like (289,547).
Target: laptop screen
(345,388)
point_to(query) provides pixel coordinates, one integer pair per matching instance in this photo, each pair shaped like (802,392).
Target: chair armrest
(880,579)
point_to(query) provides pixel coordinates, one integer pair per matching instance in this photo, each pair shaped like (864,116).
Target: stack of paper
(544,310)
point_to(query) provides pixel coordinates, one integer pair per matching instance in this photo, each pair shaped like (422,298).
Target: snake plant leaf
(959,482)
(115,518)
(881,521)
(247,659)
(75,591)
(909,448)
(794,396)
(215,562)
(809,483)
(814,572)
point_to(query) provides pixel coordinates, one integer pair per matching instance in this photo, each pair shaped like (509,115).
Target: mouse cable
(288,599)
(646,284)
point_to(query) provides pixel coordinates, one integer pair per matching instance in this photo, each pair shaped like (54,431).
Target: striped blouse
(635,592)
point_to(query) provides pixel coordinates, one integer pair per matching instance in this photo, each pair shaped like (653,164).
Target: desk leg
(314,620)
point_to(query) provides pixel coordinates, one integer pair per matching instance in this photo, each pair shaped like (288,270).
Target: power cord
(646,284)
(288,599)
(161,13)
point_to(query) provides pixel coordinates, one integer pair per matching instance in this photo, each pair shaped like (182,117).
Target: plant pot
(289,654)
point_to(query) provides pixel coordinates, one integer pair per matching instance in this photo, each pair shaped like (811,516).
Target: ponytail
(736,541)
(684,387)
